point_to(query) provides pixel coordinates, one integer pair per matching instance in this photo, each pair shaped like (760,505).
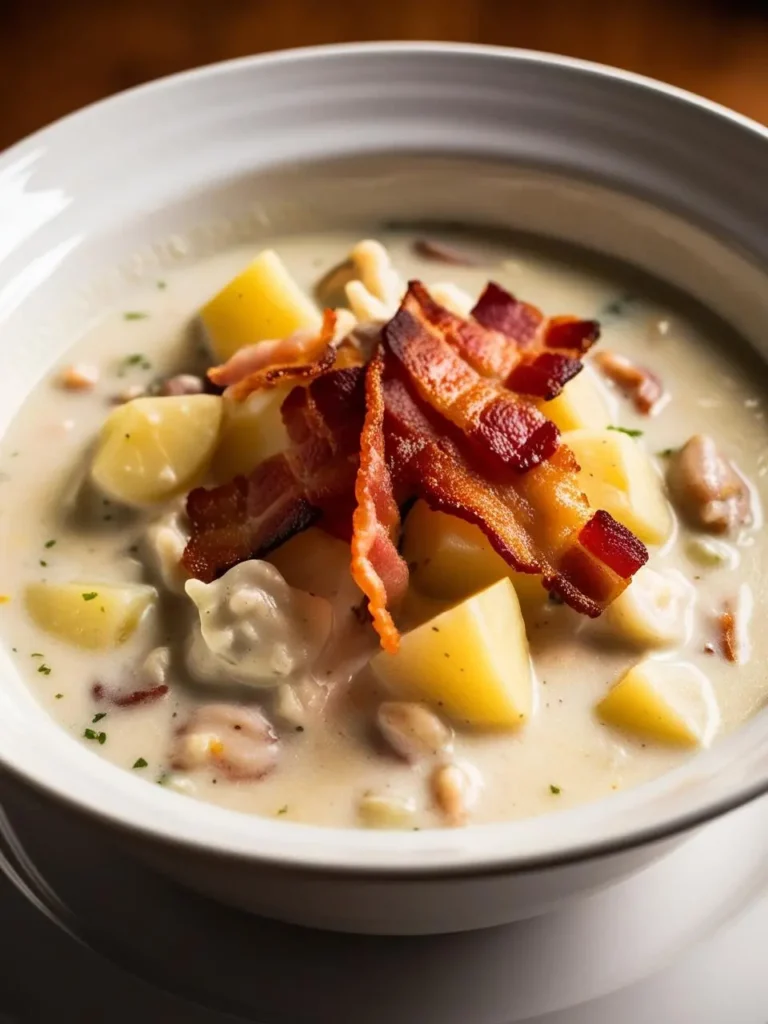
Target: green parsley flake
(628,431)
(44,670)
(666,453)
(91,734)
(43,563)
(59,696)
(36,654)
(554,790)
(98,716)
(140,763)
(91,595)
(283,809)
(135,315)
(49,543)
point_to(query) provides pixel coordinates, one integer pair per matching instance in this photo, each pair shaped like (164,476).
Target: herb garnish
(135,315)
(59,696)
(140,763)
(49,543)
(91,734)
(44,670)
(91,595)
(666,453)
(628,431)
(162,285)
(554,790)
(43,563)
(36,654)
(283,809)
(98,716)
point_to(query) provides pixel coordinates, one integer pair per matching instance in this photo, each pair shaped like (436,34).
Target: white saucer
(537,970)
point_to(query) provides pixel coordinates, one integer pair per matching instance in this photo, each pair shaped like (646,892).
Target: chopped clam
(412,730)
(638,383)
(238,740)
(454,791)
(182,384)
(378,289)
(377,810)
(288,706)
(164,543)
(706,486)
(155,667)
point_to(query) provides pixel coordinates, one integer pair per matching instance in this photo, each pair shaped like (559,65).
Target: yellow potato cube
(451,559)
(251,431)
(581,405)
(655,610)
(668,702)
(92,615)
(471,661)
(317,563)
(617,475)
(151,449)
(261,303)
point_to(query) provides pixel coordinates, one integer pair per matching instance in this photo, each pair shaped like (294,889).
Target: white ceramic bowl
(564,149)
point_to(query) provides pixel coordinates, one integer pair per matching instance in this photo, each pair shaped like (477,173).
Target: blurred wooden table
(56,55)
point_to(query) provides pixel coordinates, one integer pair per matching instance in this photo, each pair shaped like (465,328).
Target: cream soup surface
(328,755)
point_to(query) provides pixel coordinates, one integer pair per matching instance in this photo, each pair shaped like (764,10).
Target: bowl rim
(472,862)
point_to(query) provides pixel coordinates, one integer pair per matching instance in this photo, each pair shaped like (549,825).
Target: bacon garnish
(513,342)
(638,383)
(732,622)
(312,482)
(131,699)
(377,567)
(504,431)
(539,522)
(300,357)
(244,518)
(442,411)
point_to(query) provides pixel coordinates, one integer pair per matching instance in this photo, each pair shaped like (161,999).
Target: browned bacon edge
(129,700)
(505,431)
(312,483)
(594,566)
(311,358)
(377,567)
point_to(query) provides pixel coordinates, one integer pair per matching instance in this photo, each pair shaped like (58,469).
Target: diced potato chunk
(153,448)
(92,615)
(261,303)
(668,702)
(451,559)
(654,611)
(471,661)
(317,563)
(581,405)
(251,431)
(618,475)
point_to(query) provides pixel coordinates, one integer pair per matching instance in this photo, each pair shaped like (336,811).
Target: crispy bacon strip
(312,482)
(515,344)
(377,567)
(244,518)
(539,523)
(506,433)
(300,357)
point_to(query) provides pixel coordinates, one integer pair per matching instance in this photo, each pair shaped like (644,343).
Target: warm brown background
(56,56)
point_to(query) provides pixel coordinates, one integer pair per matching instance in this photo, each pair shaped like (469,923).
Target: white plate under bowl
(276,974)
(551,146)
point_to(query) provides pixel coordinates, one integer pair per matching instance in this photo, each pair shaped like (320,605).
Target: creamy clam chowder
(227,651)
